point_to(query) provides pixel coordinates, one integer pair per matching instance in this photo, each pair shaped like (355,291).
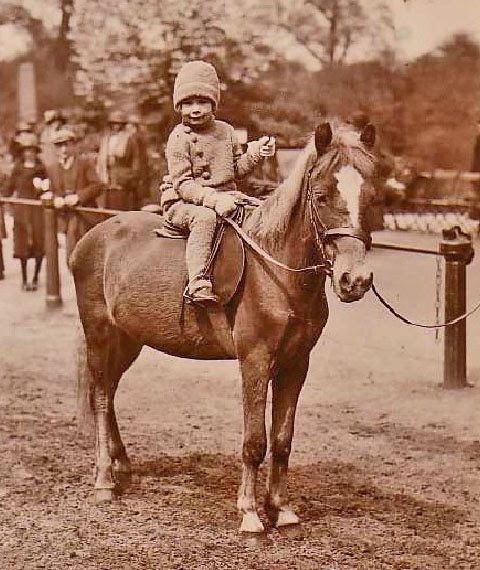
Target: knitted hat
(196,78)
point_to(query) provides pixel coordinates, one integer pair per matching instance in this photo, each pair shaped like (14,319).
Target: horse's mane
(269,222)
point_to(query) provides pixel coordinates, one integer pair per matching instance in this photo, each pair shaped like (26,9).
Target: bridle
(324,235)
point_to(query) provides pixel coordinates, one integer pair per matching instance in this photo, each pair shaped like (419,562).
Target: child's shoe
(200,291)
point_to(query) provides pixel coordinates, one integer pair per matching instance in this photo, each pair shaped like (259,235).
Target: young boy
(204,159)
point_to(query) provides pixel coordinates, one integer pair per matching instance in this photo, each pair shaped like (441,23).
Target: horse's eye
(322,198)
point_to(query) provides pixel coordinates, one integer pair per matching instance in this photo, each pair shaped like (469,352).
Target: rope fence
(455,248)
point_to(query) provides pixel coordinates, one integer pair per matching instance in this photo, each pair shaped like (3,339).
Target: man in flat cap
(118,164)
(74,181)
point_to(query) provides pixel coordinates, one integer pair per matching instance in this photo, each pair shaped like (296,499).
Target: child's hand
(264,147)
(166,183)
(225,204)
(267,148)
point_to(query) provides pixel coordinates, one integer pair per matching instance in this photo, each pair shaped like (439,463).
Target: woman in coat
(28,226)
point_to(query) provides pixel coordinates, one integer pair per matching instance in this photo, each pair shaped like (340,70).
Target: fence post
(53,298)
(457,250)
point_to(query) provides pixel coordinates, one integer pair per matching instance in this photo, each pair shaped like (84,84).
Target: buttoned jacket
(202,162)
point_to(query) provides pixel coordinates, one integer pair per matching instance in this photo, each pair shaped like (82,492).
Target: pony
(129,286)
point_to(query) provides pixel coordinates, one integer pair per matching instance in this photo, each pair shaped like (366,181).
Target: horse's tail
(84,400)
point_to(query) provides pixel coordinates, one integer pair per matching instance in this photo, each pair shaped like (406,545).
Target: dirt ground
(385,470)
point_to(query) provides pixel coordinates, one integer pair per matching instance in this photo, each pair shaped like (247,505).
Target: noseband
(324,235)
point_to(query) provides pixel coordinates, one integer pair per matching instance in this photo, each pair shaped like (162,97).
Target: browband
(356,233)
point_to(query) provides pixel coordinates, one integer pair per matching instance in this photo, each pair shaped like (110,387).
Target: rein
(325,266)
(322,236)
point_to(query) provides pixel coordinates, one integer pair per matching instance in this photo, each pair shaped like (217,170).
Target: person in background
(139,138)
(15,149)
(475,167)
(73,181)
(28,226)
(118,164)
(53,121)
(90,145)
(474,210)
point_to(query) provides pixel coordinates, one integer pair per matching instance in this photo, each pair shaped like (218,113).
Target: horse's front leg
(256,371)
(286,387)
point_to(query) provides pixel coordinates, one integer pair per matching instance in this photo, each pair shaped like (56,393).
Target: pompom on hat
(196,79)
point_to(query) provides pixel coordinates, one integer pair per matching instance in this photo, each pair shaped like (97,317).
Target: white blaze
(349,185)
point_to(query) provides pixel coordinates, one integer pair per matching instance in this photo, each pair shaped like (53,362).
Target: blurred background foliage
(284,64)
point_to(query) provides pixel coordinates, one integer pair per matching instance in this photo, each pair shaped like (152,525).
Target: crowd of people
(80,163)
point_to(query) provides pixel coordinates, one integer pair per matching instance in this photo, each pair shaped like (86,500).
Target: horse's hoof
(254,539)
(123,480)
(292,531)
(286,517)
(251,524)
(104,496)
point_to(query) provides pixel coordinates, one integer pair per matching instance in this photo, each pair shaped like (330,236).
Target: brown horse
(129,286)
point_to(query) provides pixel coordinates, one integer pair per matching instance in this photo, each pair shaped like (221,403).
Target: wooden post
(53,298)
(458,253)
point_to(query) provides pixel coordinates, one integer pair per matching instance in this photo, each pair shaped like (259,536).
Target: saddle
(226,265)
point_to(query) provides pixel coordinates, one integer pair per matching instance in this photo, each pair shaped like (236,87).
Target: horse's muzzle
(352,287)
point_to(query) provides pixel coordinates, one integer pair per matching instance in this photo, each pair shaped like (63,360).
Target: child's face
(196,111)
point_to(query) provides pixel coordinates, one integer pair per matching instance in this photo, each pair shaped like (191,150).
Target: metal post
(53,298)
(458,253)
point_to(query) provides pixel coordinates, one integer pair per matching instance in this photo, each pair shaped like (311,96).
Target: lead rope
(422,325)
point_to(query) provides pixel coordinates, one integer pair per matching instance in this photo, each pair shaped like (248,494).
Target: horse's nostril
(345,279)
(364,281)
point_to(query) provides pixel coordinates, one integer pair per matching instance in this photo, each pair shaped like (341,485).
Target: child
(204,159)
(28,227)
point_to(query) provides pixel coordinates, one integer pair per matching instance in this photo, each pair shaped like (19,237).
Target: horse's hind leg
(108,358)
(286,387)
(125,353)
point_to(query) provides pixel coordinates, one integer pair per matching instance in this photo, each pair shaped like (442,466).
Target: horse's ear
(368,135)
(323,137)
